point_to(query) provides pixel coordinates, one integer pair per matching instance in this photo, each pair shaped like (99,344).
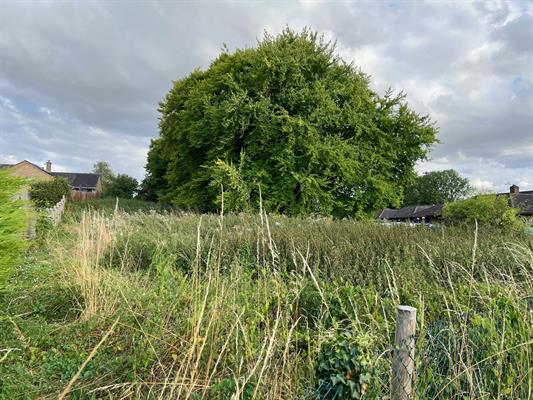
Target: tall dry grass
(239,306)
(85,267)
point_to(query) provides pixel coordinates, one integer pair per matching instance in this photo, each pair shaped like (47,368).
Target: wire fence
(447,360)
(403,368)
(324,391)
(396,381)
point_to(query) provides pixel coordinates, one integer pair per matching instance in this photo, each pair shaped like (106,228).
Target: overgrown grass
(109,204)
(245,306)
(14,217)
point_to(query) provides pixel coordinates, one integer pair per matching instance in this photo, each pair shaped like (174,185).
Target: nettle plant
(344,366)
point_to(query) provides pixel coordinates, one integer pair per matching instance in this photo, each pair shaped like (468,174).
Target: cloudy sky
(80,82)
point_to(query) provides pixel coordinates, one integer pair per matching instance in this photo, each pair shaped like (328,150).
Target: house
(522,200)
(79,182)
(26,169)
(424,213)
(82,182)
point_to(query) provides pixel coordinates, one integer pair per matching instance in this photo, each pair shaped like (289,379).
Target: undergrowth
(187,306)
(14,218)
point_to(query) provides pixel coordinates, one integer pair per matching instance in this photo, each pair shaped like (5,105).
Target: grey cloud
(100,69)
(517,35)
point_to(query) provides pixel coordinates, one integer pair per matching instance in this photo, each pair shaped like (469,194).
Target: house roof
(520,192)
(523,201)
(75,179)
(79,180)
(386,213)
(421,211)
(428,211)
(23,161)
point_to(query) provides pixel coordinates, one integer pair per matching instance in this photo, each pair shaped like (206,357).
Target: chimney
(514,189)
(48,166)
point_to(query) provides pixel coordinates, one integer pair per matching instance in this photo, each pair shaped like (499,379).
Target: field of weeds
(168,305)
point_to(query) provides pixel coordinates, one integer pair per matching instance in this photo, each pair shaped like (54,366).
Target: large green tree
(437,187)
(123,186)
(293,119)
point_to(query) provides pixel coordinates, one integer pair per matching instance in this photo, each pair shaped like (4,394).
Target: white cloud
(8,159)
(482,185)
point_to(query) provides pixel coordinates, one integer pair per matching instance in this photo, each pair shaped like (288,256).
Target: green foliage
(49,193)
(499,326)
(107,205)
(317,139)
(43,224)
(14,218)
(122,186)
(437,187)
(215,301)
(227,387)
(345,364)
(103,169)
(155,185)
(228,183)
(490,210)
(115,185)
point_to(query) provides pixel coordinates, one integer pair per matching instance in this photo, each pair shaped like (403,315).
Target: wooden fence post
(56,212)
(403,361)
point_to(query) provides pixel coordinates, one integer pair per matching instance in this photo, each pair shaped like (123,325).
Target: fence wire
(403,368)
(324,391)
(448,361)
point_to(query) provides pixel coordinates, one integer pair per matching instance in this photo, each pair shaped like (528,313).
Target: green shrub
(123,186)
(49,193)
(489,210)
(13,223)
(344,366)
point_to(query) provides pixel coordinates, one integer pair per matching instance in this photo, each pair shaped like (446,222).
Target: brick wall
(28,170)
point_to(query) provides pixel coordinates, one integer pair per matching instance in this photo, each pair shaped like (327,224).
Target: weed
(250,306)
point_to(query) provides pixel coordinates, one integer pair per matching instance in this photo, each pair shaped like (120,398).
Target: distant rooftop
(75,179)
(422,211)
(521,199)
(79,180)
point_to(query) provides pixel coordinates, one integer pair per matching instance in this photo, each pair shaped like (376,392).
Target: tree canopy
(107,175)
(123,186)
(437,187)
(289,119)
(115,185)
